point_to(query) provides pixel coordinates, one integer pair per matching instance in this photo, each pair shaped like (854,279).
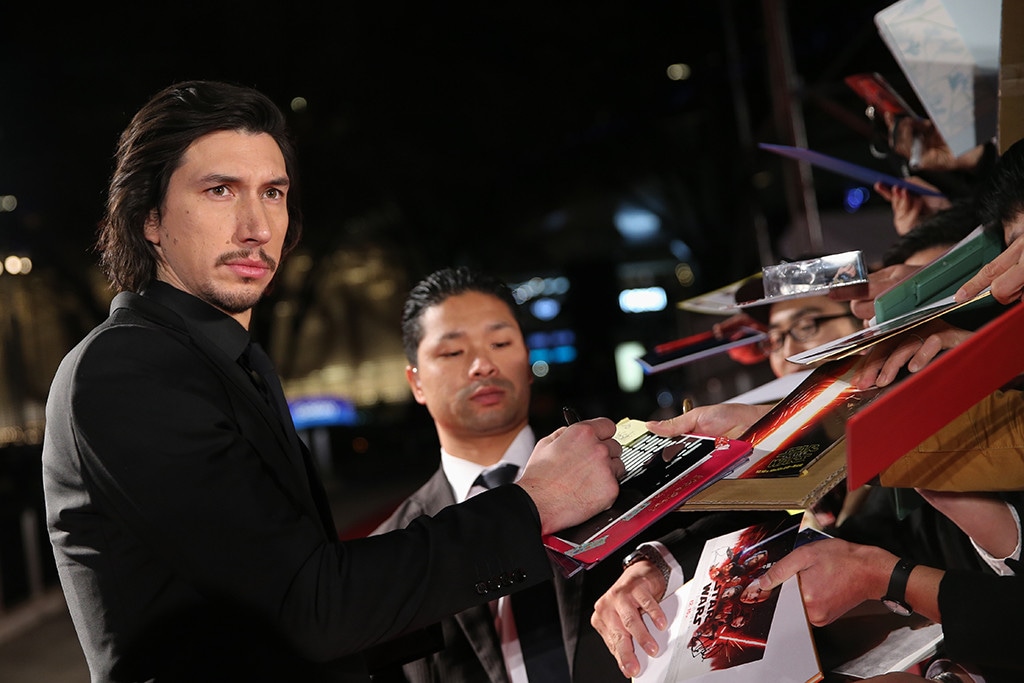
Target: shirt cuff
(999,565)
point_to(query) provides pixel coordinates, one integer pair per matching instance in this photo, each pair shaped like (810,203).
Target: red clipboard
(924,402)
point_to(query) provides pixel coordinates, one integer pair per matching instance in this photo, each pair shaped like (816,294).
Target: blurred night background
(599,156)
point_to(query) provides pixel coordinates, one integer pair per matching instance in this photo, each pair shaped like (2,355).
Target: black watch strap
(895,597)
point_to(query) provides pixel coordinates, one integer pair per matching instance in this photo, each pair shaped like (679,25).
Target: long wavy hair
(151,149)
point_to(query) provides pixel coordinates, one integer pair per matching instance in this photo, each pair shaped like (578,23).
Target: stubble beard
(240,298)
(233,302)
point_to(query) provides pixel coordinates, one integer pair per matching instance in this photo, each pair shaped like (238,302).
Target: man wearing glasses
(797,325)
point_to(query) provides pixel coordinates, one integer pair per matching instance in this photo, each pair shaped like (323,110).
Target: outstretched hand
(1005,274)
(835,576)
(908,208)
(618,614)
(914,349)
(722,419)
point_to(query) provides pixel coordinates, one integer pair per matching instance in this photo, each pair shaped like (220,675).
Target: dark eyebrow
(454,334)
(224,179)
(493,327)
(500,325)
(800,313)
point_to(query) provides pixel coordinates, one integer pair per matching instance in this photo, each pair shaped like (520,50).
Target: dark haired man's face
(798,313)
(220,231)
(473,369)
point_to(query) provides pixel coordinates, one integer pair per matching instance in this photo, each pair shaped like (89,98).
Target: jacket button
(481,588)
(518,576)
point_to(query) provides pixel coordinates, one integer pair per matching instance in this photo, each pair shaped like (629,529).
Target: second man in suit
(469,365)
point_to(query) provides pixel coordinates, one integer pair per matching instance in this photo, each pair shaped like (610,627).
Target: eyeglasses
(803,330)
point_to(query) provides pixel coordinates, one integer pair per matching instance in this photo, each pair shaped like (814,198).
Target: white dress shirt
(461,474)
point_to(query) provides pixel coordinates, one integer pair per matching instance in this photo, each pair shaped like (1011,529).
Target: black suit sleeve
(176,480)
(980,615)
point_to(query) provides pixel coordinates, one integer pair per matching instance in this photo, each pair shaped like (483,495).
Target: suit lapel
(276,416)
(569,595)
(287,457)
(258,422)
(476,623)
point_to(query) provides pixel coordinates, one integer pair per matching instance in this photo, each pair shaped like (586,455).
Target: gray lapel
(569,594)
(476,622)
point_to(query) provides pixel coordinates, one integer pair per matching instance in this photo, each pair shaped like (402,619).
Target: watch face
(631,558)
(897,607)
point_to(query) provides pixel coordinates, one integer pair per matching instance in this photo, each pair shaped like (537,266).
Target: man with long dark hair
(192,535)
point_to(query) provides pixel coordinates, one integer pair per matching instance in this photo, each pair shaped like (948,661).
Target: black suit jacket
(192,545)
(981,620)
(472,652)
(981,614)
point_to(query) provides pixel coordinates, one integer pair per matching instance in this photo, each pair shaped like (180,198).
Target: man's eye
(219,191)
(449,354)
(274,193)
(502,344)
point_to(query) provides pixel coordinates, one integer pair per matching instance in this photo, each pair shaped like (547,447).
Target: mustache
(492,382)
(248,254)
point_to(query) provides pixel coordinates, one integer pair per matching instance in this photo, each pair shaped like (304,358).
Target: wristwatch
(946,677)
(651,554)
(895,597)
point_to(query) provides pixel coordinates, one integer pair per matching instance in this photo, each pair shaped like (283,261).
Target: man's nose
(482,366)
(791,346)
(252,223)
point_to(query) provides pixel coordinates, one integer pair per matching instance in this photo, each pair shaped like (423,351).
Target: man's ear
(413,378)
(151,229)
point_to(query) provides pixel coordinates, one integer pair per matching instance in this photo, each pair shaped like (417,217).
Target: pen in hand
(570,415)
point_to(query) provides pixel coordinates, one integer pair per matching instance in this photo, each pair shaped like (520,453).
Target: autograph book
(722,628)
(940,278)
(869,336)
(879,94)
(846,168)
(806,424)
(693,348)
(811,277)
(721,301)
(799,447)
(661,473)
(931,398)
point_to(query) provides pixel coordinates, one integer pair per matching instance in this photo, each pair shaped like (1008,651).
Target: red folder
(882,432)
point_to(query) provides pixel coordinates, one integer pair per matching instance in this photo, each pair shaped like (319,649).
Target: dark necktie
(505,473)
(255,361)
(261,370)
(535,610)
(540,633)
(257,378)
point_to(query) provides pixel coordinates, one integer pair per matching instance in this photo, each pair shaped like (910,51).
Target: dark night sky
(442,133)
(436,126)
